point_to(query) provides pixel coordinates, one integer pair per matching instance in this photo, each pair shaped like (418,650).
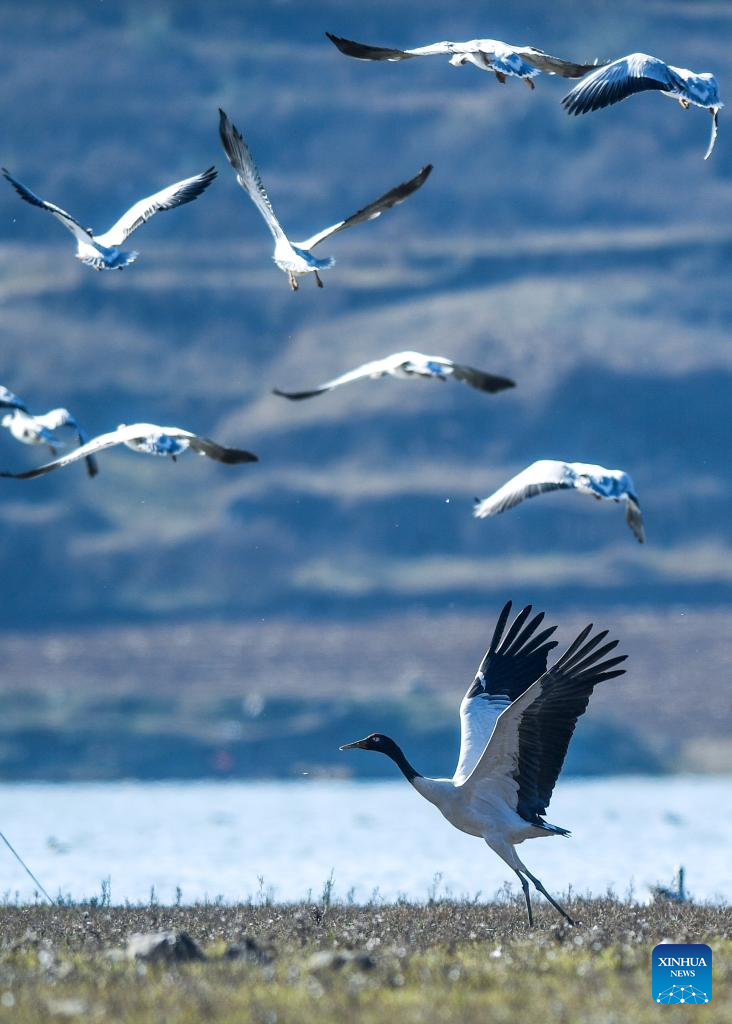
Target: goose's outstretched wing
(526,751)
(375,368)
(511,664)
(247,175)
(10,401)
(178,194)
(375,209)
(490,382)
(715,131)
(541,476)
(362,51)
(97,444)
(553,65)
(218,452)
(80,234)
(638,72)
(634,518)
(57,418)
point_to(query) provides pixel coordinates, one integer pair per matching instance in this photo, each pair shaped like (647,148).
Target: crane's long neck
(396,753)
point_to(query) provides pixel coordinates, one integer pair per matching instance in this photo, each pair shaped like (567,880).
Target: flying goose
(516,721)
(503,59)
(30,429)
(639,72)
(10,401)
(103,252)
(149,439)
(295,258)
(552,475)
(406,365)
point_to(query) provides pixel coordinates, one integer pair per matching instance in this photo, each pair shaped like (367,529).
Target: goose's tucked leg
(527,897)
(293,281)
(684,103)
(317,279)
(530,83)
(542,890)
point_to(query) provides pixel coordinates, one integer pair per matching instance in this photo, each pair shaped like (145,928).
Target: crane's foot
(317,279)
(500,76)
(293,281)
(530,83)
(684,103)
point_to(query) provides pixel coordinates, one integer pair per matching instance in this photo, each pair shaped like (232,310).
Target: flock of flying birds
(601,85)
(518,716)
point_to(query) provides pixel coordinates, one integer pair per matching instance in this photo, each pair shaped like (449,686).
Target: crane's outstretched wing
(10,401)
(375,209)
(541,476)
(638,72)
(231,456)
(553,65)
(375,368)
(247,175)
(634,518)
(490,382)
(362,51)
(57,418)
(80,234)
(511,664)
(526,751)
(178,194)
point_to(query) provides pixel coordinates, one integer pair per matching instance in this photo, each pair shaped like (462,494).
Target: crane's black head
(385,745)
(376,741)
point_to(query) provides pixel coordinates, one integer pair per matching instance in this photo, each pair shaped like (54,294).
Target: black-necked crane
(516,720)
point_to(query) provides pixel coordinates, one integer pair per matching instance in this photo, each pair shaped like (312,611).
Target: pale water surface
(219,839)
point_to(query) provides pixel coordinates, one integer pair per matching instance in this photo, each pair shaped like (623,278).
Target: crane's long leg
(317,279)
(527,897)
(542,890)
(293,281)
(530,83)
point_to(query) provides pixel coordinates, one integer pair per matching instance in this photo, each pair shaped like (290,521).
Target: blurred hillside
(586,258)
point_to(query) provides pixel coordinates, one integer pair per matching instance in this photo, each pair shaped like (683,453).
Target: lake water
(245,840)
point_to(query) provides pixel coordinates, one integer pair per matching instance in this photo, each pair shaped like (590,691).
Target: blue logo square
(682,973)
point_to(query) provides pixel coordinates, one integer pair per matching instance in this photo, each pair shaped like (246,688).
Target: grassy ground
(273,964)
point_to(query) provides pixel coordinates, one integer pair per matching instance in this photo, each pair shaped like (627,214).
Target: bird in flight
(40,429)
(407,365)
(104,252)
(639,72)
(149,439)
(10,401)
(296,258)
(552,475)
(504,60)
(516,721)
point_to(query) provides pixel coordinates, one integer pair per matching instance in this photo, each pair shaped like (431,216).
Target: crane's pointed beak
(351,746)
